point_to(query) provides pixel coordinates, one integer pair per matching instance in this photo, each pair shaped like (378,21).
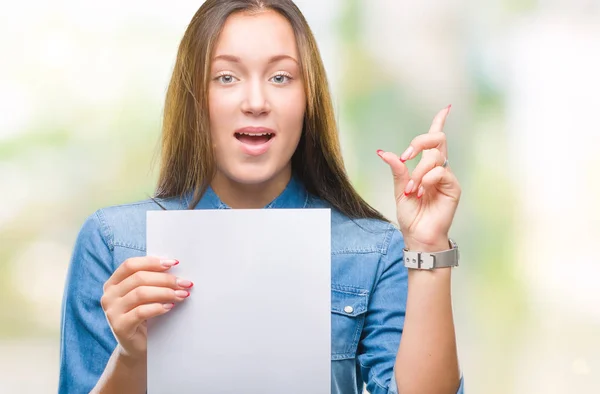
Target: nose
(255,101)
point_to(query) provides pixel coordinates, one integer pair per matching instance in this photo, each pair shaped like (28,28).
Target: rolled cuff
(393,389)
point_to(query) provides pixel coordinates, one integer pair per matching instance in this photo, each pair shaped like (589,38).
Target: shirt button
(348,309)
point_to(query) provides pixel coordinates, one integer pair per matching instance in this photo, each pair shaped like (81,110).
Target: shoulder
(124,225)
(350,235)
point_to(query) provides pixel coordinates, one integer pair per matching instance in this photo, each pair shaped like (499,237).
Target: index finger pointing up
(437,126)
(435,138)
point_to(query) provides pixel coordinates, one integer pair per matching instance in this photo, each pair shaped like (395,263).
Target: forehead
(259,35)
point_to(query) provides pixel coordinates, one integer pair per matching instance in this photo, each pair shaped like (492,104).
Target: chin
(252,174)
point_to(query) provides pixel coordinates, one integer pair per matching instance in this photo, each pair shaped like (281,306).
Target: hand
(139,290)
(426,200)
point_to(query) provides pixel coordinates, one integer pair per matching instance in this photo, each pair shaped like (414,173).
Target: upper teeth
(255,134)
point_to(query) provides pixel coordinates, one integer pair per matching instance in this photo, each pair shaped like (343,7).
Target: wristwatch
(432,260)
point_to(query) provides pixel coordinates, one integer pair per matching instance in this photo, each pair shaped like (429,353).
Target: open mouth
(254,138)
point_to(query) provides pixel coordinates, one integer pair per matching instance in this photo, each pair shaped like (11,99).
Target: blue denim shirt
(367,273)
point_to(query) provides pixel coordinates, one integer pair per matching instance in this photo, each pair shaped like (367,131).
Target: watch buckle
(419,260)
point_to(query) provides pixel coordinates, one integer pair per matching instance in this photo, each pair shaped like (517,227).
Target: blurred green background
(81,92)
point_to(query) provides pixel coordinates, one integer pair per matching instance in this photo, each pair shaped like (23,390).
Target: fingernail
(406,154)
(169,263)
(420,192)
(409,187)
(380,153)
(448,107)
(168,306)
(184,283)
(182,293)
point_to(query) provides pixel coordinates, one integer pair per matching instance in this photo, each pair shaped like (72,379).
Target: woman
(249,123)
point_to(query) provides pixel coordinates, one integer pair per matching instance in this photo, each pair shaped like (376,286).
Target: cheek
(220,110)
(292,109)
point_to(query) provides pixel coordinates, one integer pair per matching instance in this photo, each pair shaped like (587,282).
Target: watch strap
(432,260)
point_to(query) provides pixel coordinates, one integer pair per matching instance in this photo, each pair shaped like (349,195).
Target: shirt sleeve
(86,341)
(384,322)
(394,388)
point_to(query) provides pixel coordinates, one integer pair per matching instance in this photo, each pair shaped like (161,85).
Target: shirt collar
(293,196)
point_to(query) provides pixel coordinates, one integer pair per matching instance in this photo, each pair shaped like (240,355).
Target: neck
(250,196)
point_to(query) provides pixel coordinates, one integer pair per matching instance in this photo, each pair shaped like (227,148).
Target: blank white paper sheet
(259,316)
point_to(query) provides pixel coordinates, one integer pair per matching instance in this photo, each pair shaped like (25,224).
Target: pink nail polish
(406,154)
(169,305)
(450,106)
(409,187)
(184,283)
(169,262)
(182,293)
(420,192)
(379,153)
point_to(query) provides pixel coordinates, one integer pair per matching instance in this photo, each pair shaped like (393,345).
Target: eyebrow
(236,59)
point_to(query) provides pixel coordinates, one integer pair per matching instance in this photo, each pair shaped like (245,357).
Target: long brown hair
(187,162)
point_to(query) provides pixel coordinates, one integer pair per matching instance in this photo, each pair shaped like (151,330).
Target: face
(256,99)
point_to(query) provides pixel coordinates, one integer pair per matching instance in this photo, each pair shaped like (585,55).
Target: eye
(281,78)
(226,79)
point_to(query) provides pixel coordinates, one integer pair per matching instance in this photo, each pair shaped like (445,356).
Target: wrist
(129,360)
(439,245)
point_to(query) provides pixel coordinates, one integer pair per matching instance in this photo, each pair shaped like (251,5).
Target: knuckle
(171,281)
(138,313)
(138,277)
(164,279)
(417,174)
(144,312)
(431,175)
(104,302)
(418,140)
(110,316)
(128,264)
(140,293)
(169,294)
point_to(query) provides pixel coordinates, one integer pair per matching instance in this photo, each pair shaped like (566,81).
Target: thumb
(399,171)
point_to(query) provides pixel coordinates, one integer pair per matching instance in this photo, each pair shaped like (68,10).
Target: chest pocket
(348,310)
